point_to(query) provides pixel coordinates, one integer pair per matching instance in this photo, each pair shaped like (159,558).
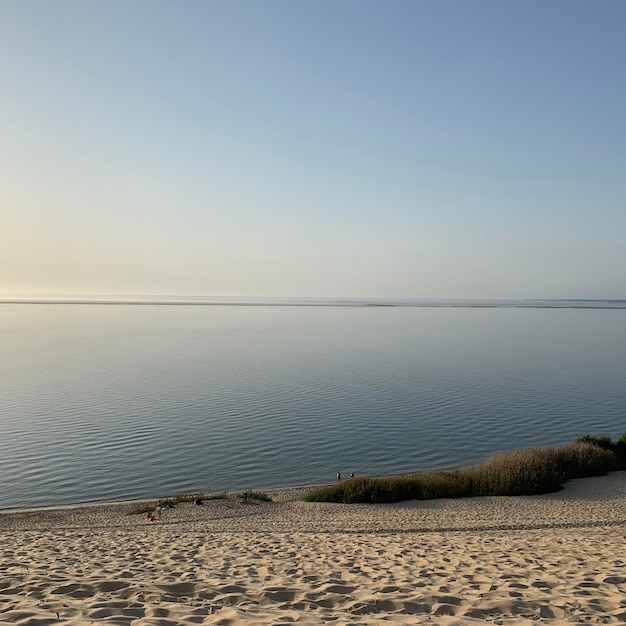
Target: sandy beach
(552,559)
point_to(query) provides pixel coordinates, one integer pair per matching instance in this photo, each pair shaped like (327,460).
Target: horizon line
(328,301)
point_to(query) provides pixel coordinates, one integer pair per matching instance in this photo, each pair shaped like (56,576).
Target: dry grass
(521,472)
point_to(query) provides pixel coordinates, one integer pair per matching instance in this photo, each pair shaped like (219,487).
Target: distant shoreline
(356,303)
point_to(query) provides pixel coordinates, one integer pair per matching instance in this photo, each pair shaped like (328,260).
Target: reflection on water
(110,402)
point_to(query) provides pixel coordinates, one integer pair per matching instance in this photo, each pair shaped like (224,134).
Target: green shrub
(619,447)
(603,441)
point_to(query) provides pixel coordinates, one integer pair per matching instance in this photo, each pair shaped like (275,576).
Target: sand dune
(554,559)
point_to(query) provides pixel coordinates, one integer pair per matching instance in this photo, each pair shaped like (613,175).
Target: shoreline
(138,501)
(518,561)
(526,303)
(582,503)
(610,487)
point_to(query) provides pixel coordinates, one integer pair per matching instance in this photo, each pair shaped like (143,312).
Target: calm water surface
(101,403)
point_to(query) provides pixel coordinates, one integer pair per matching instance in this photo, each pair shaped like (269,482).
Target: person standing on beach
(158,510)
(338,476)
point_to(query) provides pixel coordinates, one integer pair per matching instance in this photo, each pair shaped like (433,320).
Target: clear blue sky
(313,148)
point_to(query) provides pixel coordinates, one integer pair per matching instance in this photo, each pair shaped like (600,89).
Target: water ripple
(101,404)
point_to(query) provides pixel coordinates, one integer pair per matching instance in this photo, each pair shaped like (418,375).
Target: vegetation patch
(619,446)
(197,498)
(254,495)
(172,501)
(223,495)
(520,472)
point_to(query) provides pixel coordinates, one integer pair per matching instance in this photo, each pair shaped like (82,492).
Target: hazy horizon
(411,149)
(349,301)
(93,294)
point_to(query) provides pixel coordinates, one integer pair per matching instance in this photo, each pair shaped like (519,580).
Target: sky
(348,148)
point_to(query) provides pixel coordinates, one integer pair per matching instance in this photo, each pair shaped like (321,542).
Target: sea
(110,399)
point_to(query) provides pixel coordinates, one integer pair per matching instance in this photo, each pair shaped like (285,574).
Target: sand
(552,559)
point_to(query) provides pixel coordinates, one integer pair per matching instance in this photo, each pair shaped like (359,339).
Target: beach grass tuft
(519,472)
(172,501)
(222,495)
(619,446)
(197,498)
(255,495)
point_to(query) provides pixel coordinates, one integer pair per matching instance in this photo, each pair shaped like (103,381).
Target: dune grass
(520,472)
(172,501)
(255,495)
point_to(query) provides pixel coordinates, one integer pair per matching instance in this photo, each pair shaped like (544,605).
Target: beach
(550,559)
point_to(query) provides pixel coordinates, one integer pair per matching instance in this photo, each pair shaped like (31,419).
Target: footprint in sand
(375,606)
(279,594)
(108,586)
(74,591)
(615,580)
(179,589)
(444,609)
(339,589)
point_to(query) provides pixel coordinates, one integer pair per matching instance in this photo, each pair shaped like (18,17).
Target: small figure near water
(158,510)
(351,474)
(338,476)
